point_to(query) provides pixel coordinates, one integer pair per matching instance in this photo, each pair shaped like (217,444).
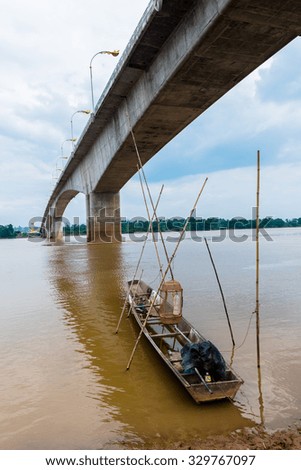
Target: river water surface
(63,379)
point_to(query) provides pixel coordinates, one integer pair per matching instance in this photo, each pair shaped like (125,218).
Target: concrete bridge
(183,56)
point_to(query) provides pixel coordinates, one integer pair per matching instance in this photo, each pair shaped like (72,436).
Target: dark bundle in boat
(204,357)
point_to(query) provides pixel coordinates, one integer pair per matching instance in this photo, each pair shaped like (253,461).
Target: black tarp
(205,357)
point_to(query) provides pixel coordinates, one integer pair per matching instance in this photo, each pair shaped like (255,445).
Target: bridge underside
(234,43)
(181,60)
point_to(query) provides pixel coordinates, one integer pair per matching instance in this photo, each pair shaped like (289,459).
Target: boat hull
(168,340)
(220,391)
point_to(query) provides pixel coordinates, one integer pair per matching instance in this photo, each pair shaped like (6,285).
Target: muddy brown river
(64,383)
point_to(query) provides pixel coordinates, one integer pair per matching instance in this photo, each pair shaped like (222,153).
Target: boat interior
(169,338)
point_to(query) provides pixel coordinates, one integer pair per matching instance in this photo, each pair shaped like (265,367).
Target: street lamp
(84,111)
(55,177)
(62,146)
(56,171)
(58,164)
(114,54)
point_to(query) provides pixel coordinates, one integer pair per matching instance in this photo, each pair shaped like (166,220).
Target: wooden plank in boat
(166,335)
(154,321)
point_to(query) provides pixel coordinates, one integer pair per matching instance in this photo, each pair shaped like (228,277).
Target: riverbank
(256,438)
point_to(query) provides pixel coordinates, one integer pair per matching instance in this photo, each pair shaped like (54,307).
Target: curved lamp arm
(84,111)
(114,53)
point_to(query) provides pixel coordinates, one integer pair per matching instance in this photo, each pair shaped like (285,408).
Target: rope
(248,329)
(154,280)
(246,335)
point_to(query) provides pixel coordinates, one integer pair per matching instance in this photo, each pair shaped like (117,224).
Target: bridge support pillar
(103,217)
(54,227)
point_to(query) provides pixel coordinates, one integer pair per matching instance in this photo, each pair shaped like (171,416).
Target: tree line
(200,224)
(7,231)
(166,225)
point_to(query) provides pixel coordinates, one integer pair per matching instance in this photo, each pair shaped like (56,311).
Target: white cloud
(228,193)
(252,115)
(46,48)
(242,114)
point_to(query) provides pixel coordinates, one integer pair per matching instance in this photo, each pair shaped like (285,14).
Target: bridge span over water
(183,56)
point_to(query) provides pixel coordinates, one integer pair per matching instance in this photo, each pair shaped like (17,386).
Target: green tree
(7,231)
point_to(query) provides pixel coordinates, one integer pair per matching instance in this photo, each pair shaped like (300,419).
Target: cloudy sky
(46,47)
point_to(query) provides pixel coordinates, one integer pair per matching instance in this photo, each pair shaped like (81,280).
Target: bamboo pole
(257,262)
(138,264)
(140,166)
(221,291)
(164,275)
(156,217)
(151,225)
(257,307)
(147,186)
(260,397)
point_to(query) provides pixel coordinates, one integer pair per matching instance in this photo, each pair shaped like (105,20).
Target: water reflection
(147,401)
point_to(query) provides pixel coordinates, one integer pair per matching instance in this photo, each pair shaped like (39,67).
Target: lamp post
(114,54)
(58,164)
(62,146)
(84,111)
(55,176)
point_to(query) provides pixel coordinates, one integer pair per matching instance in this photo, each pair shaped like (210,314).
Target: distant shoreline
(141,225)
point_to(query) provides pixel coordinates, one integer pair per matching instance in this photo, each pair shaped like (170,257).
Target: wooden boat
(169,336)
(34,234)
